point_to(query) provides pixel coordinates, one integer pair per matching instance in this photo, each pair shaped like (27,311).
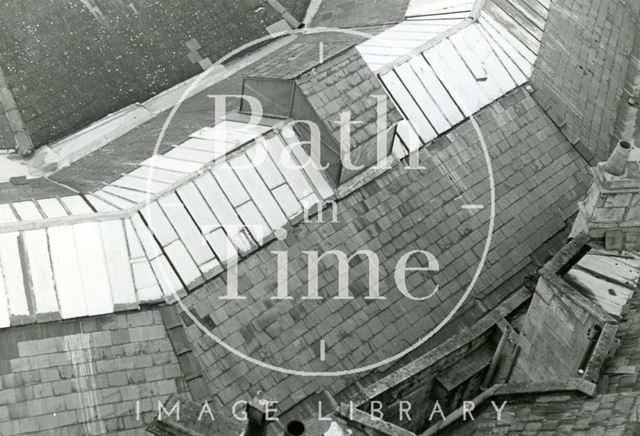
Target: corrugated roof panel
(36,247)
(259,192)
(52,208)
(437,90)
(311,168)
(198,207)
(147,287)
(399,40)
(169,282)
(166,163)
(13,275)
(218,203)
(517,66)
(287,201)
(430,7)
(185,267)
(93,268)
(398,149)
(421,95)
(230,134)
(184,153)
(66,270)
(141,185)
(131,195)
(408,136)
(459,82)
(222,245)
(281,154)
(113,200)
(5,318)
(254,221)
(529,27)
(262,162)
(408,106)
(203,145)
(159,224)
(230,184)
(187,229)
(539,7)
(505,27)
(146,238)
(100,205)
(156,174)
(6,214)
(118,263)
(76,205)
(27,211)
(490,74)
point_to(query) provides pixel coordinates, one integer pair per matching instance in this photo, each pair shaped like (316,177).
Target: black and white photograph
(320,217)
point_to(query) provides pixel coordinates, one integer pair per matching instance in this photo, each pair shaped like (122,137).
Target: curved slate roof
(108,250)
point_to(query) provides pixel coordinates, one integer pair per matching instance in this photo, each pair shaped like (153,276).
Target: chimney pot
(617,162)
(294,428)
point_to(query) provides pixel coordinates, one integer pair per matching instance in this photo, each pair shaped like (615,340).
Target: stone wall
(612,414)
(418,391)
(580,73)
(556,337)
(97,369)
(71,63)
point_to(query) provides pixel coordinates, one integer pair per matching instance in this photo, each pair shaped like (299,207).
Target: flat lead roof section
(609,279)
(200,216)
(425,21)
(460,73)
(441,9)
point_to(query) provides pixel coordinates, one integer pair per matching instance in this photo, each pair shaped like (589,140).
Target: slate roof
(346,84)
(124,59)
(125,153)
(539,178)
(611,414)
(359,13)
(7,141)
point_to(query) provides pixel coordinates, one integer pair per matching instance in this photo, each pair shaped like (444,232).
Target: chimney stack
(610,213)
(617,162)
(257,414)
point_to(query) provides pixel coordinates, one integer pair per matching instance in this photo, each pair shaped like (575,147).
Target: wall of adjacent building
(580,73)
(556,336)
